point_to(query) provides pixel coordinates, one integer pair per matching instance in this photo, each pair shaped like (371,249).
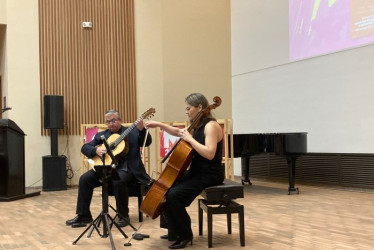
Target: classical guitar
(118,143)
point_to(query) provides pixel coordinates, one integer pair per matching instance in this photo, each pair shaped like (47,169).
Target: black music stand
(104,216)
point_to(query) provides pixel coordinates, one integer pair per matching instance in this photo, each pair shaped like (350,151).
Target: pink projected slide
(319,27)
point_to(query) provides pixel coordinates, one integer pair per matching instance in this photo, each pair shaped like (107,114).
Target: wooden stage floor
(320,217)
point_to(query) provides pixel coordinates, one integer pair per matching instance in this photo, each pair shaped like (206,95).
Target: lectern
(12,162)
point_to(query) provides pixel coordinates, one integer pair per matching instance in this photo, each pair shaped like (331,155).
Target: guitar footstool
(219,200)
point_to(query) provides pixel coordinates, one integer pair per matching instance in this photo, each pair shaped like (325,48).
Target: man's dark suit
(130,168)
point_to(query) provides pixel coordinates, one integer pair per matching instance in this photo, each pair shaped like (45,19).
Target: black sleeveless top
(201,165)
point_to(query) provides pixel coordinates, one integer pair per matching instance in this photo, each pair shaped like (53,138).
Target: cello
(180,157)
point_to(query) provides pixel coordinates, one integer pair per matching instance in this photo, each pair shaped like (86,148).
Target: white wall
(196,54)
(2,11)
(148,51)
(329,96)
(158,61)
(181,47)
(259,34)
(21,82)
(2,43)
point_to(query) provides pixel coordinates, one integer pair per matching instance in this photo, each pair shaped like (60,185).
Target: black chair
(222,195)
(136,189)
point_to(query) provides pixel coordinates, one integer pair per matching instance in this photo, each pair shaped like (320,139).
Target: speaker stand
(54,142)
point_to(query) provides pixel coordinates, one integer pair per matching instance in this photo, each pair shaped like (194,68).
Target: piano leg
(245,170)
(291,162)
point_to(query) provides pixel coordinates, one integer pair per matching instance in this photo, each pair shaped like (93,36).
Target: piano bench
(219,200)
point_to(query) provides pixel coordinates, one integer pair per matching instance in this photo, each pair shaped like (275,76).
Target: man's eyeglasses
(111,121)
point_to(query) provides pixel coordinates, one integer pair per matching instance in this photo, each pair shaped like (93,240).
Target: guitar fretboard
(126,132)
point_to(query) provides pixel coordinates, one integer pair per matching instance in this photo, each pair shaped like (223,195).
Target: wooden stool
(219,200)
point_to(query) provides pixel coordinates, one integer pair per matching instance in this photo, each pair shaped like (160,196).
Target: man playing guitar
(130,168)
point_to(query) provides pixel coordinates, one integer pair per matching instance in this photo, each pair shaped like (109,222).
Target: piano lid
(278,143)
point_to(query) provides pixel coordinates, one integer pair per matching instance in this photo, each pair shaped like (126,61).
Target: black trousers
(181,196)
(117,186)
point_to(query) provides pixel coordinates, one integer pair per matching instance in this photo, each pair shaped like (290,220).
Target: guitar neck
(126,132)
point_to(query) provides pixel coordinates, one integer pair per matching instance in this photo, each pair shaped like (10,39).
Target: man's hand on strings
(100,151)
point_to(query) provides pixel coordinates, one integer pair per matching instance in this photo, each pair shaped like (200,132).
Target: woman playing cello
(205,169)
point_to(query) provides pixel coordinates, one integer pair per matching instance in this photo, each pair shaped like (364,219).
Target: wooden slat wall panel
(278,166)
(356,170)
(94,69)
(259,165)
(362,175)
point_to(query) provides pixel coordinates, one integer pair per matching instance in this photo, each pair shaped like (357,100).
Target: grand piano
(288,145)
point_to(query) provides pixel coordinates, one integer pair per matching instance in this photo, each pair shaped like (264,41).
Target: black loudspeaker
(54,173)
(53,111)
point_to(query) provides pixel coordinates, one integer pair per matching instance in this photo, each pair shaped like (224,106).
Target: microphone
(109,151)
(6,109)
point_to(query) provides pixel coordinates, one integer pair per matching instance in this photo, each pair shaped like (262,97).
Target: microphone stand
(5,109)
(104,215)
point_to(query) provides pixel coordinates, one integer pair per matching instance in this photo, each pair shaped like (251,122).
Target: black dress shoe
(180,244)
(79,224)
(80,219)
(123,222)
